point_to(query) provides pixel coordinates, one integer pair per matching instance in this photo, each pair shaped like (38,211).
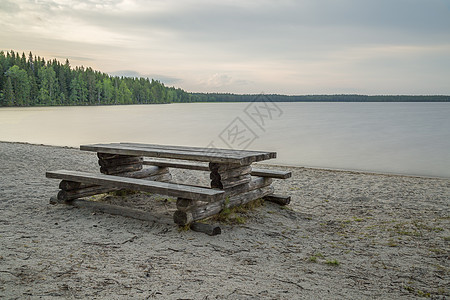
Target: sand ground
(344,235)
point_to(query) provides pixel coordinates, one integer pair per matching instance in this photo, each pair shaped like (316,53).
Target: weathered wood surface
(203,154)
(116,210)
(107,163)
(224,175)
(204,167)
(271,173)
(121,169)
(67,195)
(163,188)
(223,167)
(84,192)
(213,208)
(177,164)
(72,185)
(146,172)
(278,199)
(107,156)
(167,177)
(255,183)
(198,149)
(206,228)
(187,204)
(231,182)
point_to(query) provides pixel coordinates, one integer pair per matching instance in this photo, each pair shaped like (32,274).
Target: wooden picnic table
(213,155)
(233,179)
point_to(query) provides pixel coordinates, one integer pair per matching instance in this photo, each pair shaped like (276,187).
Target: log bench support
(241,184)
(117,165)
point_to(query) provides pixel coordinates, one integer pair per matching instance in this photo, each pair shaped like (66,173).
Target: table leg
(131,166)
(112,164)
(239,186)
(228,176)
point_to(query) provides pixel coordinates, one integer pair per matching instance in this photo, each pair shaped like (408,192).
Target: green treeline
(217,97)
(31,81)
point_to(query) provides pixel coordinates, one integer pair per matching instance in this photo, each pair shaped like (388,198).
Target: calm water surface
(405,138)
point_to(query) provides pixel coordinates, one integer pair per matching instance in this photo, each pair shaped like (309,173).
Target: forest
(220,97)
(33,81)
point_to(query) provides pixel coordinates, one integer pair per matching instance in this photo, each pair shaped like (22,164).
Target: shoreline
(345,235)
(275,165)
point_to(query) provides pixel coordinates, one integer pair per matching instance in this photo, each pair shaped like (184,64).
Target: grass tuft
(238,214)
(333,262)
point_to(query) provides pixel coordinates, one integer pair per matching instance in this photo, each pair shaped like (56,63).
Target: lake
(401,138)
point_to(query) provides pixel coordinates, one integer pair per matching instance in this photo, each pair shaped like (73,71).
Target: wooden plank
(67,195)
(72,185)
(278,199)
(231,182)
(202,167)
(176,164)
(217,174)
(256,183)
(107,163)
(163,188)
(121,169)
(144,173)
(271,173)
(142,151)
(85,192)
(197,149)
(106,156)
(221,167)
(167,177)
(187,204)
(178,154)
(213,208)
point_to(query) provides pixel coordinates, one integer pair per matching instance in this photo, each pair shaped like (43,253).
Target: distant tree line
(32,81)
(220,97)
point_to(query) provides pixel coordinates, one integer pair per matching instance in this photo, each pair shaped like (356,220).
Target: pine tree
(8,97)
(21,86)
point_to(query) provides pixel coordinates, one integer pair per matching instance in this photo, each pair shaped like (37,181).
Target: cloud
(218,80)
(9,7)
(282,46)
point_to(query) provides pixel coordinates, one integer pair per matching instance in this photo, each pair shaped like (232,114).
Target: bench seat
(163,188)
(203,167)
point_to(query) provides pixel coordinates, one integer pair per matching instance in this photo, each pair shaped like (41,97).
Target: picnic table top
(215,155)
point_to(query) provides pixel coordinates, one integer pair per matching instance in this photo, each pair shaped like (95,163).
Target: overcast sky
(245,46)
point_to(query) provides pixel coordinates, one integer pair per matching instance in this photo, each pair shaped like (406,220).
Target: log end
(206,228)
(54,200)
(278,199)
(182,218)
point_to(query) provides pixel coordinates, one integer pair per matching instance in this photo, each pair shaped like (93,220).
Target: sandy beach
(345,235)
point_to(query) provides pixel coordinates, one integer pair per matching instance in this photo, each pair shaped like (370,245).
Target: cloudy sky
(245,46)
